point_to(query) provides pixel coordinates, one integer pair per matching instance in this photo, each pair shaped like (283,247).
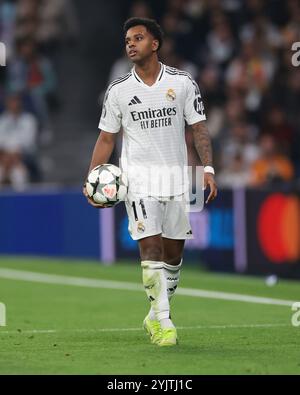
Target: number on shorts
(134,211)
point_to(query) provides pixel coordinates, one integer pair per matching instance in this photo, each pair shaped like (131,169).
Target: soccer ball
(107,185)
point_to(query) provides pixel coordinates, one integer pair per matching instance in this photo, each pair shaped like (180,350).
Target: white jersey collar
(158,79)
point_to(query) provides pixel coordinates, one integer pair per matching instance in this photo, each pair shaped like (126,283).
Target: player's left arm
(203,147)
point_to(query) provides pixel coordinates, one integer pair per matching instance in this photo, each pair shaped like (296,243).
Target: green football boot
(153,328)
(168,337)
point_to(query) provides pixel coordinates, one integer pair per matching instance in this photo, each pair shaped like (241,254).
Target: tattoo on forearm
(202,143)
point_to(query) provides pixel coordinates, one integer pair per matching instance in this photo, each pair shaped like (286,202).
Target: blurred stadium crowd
(239,51)
(34,33)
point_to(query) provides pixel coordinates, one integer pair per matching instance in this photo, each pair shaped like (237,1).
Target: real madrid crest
(171,95)
(140,227)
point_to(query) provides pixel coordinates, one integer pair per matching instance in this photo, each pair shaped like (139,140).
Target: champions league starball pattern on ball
(106,184)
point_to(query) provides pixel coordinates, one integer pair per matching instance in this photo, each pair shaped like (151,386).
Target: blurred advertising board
(52,222)
(273,232)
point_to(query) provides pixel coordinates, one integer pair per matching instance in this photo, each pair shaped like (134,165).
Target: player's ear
(155,45)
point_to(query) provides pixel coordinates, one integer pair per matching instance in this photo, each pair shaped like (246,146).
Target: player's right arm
(103,149)
(110,124)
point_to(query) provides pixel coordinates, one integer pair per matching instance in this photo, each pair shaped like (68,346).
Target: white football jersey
(154,153)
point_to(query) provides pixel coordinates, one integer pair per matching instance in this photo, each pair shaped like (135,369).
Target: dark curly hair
(150,24)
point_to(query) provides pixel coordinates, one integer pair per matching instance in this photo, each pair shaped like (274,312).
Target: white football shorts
(152,216)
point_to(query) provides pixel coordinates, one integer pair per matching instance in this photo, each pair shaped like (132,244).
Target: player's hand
(209,179)
(90,201)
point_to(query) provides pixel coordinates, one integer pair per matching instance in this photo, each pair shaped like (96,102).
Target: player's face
(140,44)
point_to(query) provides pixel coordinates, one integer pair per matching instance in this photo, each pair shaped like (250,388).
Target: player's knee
(174,261)
(152,253)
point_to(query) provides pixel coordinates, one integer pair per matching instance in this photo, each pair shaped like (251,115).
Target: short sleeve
(111,117)
(193,107)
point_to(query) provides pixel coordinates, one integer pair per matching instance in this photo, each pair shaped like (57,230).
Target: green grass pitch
(68,329)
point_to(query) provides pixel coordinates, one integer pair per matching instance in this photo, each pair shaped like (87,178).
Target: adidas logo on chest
(134,100)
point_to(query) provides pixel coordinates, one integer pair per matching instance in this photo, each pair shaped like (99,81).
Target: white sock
(172,274)
(155,285)
(151,314)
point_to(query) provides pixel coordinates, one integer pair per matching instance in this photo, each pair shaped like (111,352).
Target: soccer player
(152,103)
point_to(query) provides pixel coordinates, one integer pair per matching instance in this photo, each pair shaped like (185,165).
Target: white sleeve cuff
(209,169)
